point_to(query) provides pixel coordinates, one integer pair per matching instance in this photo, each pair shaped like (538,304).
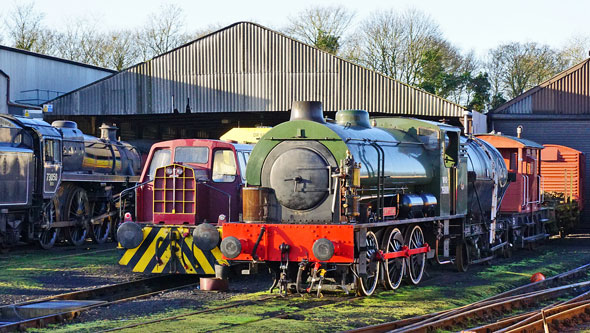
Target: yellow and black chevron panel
(170,249)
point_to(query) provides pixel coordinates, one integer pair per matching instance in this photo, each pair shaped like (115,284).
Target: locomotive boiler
(57,182)
(357,201)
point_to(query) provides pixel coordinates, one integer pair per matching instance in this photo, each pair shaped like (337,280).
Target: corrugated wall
(29,71)
(570,133)
(566,94)
(246,67)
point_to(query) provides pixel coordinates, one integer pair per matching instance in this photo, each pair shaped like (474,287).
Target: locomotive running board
(96,178)
(408,221)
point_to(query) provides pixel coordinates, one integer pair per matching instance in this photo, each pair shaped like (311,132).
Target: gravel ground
(190,298)
(64,269)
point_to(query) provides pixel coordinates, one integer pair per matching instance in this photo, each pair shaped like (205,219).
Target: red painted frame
(299,237)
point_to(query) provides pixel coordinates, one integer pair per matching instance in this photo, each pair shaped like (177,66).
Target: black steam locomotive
(58,183)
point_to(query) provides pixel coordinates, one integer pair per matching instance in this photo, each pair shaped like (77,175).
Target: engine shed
(243,75)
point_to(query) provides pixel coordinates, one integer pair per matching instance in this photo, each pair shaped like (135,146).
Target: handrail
(127,190)
(541,189)
(222,192)
(525,187)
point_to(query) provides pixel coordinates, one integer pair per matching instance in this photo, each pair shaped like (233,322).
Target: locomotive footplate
(408,221)
(170,249)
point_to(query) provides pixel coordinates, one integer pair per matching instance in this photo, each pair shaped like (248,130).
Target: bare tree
(516,67)
(122,50)
(322,27)
(395,43)
(162,32)
(24,26)
(575,50)
(493,66)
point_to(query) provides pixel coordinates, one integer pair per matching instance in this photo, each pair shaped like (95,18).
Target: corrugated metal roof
(44,56)
(566,93)
(247,67)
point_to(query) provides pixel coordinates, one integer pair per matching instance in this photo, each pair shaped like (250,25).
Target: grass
(447,289)
(26,271)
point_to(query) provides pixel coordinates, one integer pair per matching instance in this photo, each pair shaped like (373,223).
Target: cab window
(191,155)
(52,151)
(243,157)
(224,166)
(161,158)
(451,149)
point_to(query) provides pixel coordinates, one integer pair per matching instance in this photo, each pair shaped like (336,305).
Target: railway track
(64,307)
(283,314)
(522,299)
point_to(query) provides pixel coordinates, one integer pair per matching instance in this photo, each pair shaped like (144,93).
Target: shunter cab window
(161,158)
(191,155)
(52,151)
(243,157)
(224,166)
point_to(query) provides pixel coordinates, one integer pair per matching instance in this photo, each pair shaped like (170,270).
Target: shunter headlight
(231,247)
(323,249)
(178,171)
(130,235)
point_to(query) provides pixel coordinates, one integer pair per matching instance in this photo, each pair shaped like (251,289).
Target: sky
(468,24)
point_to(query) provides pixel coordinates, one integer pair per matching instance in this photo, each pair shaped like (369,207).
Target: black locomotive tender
(56,182)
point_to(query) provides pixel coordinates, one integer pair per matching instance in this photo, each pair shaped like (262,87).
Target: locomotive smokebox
(108,132)
(307,110)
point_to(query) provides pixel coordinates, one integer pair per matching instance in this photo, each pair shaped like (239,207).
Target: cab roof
(200,143)
(507,141)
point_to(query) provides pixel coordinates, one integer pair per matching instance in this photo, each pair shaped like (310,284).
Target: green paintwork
(353,118)
(445,175)
(351,124)
(291,130)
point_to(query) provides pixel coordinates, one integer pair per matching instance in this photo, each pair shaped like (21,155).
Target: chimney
(307,110)
(108,132)
(519,131)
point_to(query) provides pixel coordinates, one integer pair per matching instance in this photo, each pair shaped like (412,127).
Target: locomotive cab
(186,187)
(217,174)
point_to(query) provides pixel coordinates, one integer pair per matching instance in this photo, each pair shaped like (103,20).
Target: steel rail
(567,316)
(26,315)
(223,307)
(519,302)
(526,318)
(505,296)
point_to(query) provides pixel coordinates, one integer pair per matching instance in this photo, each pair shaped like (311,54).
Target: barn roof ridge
(539,87)
(233,25)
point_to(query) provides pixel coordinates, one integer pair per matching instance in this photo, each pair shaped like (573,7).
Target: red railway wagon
(522,157)
(522,203)
(562,169)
